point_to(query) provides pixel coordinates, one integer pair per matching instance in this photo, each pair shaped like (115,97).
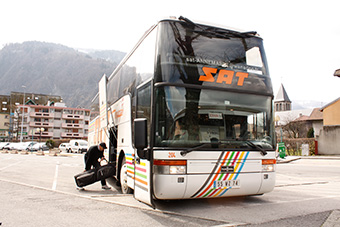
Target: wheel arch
(120,160)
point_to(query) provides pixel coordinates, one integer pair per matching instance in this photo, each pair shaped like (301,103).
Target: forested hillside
(48,68)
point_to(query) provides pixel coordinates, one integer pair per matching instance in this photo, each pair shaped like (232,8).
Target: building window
(68,111)
(79,112)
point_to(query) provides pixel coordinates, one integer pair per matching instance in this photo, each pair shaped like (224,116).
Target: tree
(310,133)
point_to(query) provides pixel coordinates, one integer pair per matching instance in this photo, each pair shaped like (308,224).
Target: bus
(188,114)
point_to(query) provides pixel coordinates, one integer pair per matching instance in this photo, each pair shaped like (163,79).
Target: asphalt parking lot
(43,187)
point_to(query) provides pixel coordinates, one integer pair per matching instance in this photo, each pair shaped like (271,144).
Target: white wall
(329,140)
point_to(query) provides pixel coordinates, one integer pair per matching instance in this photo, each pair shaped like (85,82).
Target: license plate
(227,184)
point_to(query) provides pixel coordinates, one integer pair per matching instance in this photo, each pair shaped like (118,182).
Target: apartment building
(54,121)
(4,117)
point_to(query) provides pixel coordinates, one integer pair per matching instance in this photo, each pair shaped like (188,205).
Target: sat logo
(224,76)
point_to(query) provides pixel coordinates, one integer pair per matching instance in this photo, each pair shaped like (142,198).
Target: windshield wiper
(251,144)
(214,144)
(183,153)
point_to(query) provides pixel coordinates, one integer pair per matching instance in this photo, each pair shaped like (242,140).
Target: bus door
(143,156)
(113,145)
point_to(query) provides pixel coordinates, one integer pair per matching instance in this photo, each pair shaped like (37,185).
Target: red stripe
(211,194)
(141,169)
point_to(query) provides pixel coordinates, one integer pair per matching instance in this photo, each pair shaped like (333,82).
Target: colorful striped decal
(137,172)
(141,176)
(229,158)
(129,159)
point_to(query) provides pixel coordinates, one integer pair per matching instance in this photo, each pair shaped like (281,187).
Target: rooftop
(282,95)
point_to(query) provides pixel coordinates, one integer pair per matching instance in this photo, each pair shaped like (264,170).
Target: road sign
(282,149)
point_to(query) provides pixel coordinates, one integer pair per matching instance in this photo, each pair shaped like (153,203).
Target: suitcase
(105,171)
(85,178)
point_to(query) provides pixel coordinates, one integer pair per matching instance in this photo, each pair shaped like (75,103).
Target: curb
(333,219)
(40,153)
(283,161)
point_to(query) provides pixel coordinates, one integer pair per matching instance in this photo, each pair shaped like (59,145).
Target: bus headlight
(178,169)
(170,166)
(268,165)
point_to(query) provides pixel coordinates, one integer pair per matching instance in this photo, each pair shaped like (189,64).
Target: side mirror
(141,136)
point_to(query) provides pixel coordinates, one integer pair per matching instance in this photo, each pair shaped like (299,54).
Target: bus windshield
(187,117)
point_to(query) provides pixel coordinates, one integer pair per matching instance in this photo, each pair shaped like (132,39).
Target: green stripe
(140,175)
(208,193)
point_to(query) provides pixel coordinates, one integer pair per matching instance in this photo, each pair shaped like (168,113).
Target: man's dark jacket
(92,156)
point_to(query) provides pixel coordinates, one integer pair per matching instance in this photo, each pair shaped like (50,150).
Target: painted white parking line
(55,179)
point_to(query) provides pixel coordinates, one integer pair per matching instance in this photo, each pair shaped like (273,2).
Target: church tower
(282,101)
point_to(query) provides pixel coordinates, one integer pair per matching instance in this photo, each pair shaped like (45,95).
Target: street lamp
(22,119)
(40,130)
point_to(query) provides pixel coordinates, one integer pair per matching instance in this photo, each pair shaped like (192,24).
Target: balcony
(72,135)
(73,117)
(41,115)
(41,124)
(43,134)
(72,126)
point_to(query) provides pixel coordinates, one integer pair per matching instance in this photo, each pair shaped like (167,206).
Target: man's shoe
(106,187)
(80,188)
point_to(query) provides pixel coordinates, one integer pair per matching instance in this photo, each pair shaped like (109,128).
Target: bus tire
(123,178)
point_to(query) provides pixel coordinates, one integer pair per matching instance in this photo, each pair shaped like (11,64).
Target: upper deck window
(184,52)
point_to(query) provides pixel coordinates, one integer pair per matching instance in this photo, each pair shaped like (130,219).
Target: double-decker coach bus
(188,113)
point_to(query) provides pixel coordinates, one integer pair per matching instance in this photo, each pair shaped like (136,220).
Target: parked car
(39,147)
(24,146)
(2,144)
(78,146)
(12,146)
(64,147)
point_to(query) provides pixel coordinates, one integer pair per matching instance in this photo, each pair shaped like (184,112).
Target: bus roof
(204,23)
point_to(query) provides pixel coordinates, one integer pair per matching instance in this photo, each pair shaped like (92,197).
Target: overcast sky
(301,38)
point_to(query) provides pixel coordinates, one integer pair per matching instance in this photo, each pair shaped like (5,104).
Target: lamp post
(40,130)
(22,119)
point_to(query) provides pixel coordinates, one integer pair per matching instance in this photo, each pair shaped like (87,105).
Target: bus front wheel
(123,178)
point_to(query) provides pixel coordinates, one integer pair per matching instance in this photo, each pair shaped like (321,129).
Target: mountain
(48,68)
(306,104)
(108,55)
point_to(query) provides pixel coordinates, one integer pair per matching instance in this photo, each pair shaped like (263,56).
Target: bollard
(40,152)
